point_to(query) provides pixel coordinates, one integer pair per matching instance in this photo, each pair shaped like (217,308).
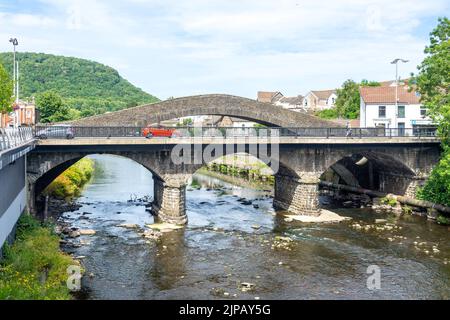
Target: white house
(378,109)
(320,100)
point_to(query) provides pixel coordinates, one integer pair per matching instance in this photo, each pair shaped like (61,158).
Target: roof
(323,94)
(298,100)
(386,95)
(267,96)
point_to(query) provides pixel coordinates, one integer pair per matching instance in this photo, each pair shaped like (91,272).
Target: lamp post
(396,61)
(16,80)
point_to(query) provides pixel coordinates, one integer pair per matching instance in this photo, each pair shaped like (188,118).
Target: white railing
(13,137)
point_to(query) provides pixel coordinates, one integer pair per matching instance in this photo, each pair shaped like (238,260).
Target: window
(423,111)
(401,111)
(382,112)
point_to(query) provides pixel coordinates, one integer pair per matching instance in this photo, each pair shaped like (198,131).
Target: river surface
(227,243)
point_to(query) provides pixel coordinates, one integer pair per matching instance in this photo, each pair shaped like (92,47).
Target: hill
(88,86)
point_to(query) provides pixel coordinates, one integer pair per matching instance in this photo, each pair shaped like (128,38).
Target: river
(227,243)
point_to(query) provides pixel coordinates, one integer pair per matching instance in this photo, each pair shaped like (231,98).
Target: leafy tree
(328,114)
(51,107)
(433,80)
(6,91)
(433,83)
(348,100)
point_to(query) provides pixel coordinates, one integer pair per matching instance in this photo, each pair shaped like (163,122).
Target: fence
(61,132)
(13,137)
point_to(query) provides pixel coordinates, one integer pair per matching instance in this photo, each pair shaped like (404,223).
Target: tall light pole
(15,74)
(396,61)
(16,81)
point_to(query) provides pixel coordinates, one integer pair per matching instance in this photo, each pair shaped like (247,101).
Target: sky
(174,48)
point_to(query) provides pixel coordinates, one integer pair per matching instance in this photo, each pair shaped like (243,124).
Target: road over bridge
(394,163)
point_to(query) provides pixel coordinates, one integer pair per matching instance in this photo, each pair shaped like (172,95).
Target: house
(269,96)
(378,109)
(24,114)
(320,100)
(291,103)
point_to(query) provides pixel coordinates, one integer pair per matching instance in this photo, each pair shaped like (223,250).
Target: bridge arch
(371,170)
(211,104)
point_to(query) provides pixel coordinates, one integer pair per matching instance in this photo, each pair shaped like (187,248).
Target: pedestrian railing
(68,132)
(13,137)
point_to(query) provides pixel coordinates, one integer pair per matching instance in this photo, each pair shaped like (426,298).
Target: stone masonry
(296,181)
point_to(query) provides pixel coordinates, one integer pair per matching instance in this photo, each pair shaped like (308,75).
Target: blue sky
(178,48)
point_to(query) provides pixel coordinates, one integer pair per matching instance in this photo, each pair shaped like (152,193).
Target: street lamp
(396,61)
(15,81)
(15,73)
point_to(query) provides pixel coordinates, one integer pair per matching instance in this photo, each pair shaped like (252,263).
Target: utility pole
(396,61)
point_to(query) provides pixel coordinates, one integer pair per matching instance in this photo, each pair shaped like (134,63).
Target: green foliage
(443,220)
(348,100)
(70,182)
(367,83)
(389,201)
(437,188)
(87,86)
(327,114)
(34,268)
(6,91)
(433,80)
(51,107)
(433,83)
(186,122)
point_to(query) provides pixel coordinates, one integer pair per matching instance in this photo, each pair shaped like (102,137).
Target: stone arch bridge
(211,104)
(397,165)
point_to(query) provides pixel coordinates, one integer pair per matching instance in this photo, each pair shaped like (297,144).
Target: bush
(34,267)
(70,182)
(437,188)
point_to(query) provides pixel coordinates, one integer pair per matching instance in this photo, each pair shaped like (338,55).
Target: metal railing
(68,132)
(13,137)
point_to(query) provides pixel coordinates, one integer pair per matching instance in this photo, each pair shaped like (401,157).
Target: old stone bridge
(395,166)
(212,104)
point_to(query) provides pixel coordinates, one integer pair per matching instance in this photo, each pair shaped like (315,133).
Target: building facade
(23,114)
(378,108)
(320,100)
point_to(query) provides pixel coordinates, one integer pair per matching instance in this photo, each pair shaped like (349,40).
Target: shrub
(34,267)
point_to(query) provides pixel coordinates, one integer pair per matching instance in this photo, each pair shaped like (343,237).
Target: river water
(227,243)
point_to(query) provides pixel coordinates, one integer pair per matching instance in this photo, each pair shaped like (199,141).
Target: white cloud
(174,48)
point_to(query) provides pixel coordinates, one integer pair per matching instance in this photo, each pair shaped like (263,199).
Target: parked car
(60,131)
(150,132)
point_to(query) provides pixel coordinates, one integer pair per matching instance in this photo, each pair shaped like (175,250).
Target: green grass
(34,268)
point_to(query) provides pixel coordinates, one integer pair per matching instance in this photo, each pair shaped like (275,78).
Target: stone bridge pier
(169,200)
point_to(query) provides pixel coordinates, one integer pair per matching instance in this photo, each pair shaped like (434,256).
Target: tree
(348,100)
(51,107)
(433,80)
(6,91)
(433,84)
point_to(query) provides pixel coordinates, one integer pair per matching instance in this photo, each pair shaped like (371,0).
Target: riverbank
(243,166)
(70,183)
(34,267)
